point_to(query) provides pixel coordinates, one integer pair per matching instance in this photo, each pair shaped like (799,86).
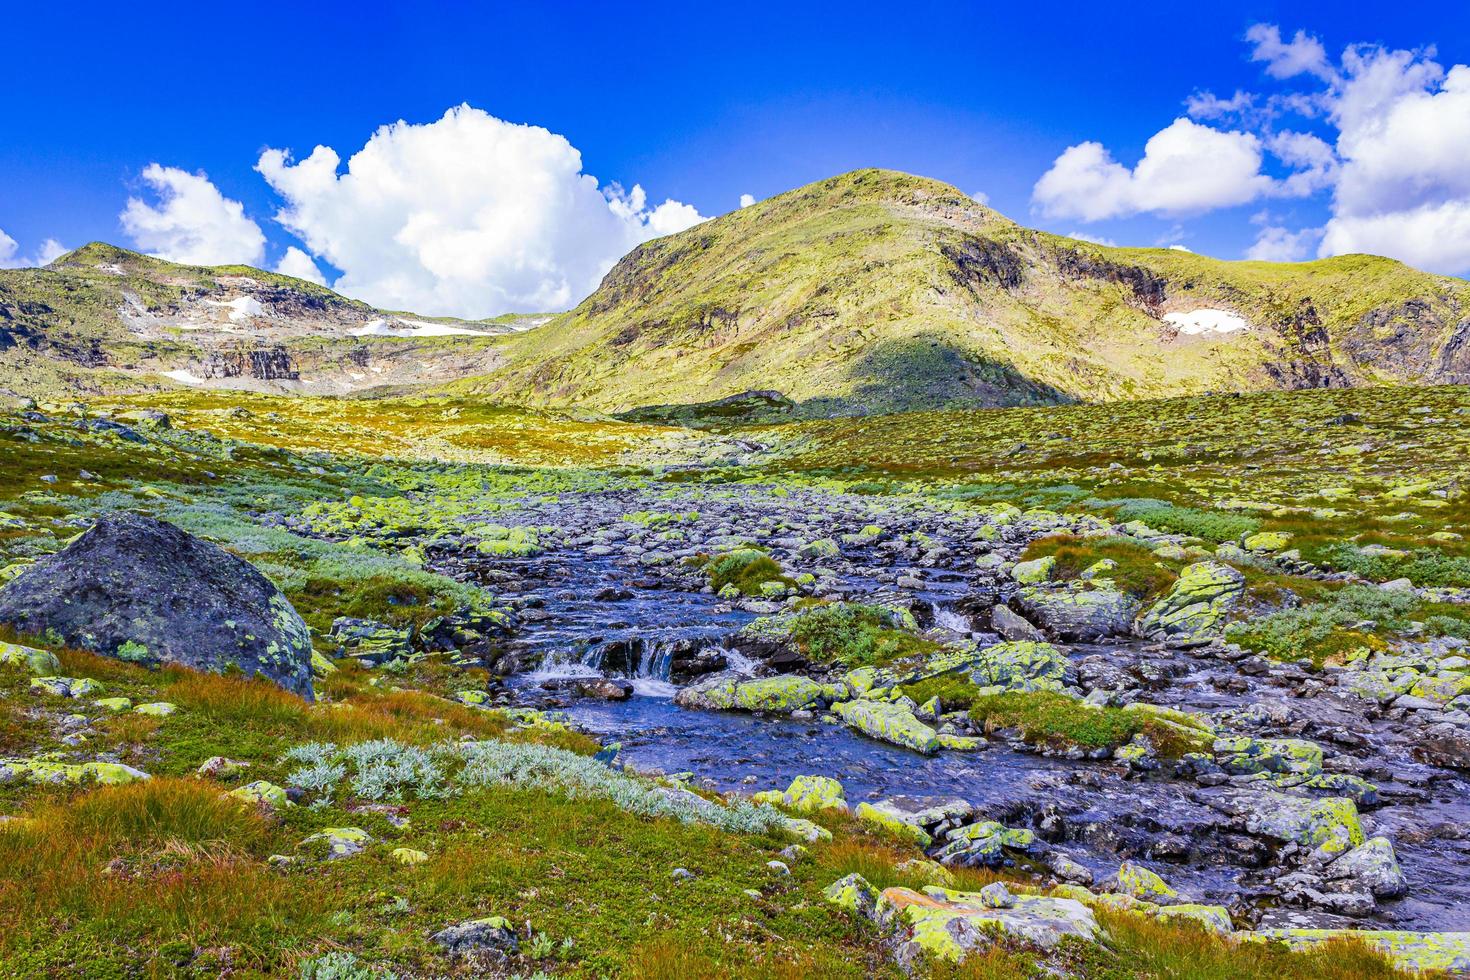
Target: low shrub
(853,635)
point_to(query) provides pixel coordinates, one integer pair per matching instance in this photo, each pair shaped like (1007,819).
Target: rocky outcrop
(1079,615)
(1196,606)
(142,590)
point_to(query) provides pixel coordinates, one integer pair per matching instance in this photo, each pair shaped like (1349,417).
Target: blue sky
(699,104)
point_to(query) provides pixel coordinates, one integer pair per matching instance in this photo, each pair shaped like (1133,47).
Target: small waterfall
(737,661)
(951,619)
(651,675)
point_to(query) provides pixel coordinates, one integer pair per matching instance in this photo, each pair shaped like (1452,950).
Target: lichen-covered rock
(262,793)
(809,794)
(42,662)
(781,694)
(1079,615)
(854,894)
(370,641)
(407,855)
(339,842)
(1035,571)
(156,709)
(894,820)
(1196,605)
(1330,825)
(1372,867)
(492,933)
(1250,755)
(803,829)
(53,772)
(1023,666)
(1444,745)
(947,925)
(984,844)
(1415,952)
(1138,881)
(114,705)
(141,589)
(888,721)
(66,687)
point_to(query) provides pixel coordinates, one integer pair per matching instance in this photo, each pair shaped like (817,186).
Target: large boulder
(1079,615)
(1196,606)
(142,590)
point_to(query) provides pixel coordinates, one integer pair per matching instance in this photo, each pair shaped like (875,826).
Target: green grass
(853,635)
(1139,572)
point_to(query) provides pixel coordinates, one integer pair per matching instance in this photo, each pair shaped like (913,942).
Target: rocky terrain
(441,688)
(102,318)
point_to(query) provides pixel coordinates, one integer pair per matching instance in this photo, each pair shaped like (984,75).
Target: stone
(1265,541)
(1079,615)
(1023,666)
(1012,625)
(140,589)
(1331,823)
(220,767)
(41,662)
(262,793)
(490,934)
(984,844)
(803,829)
(894,820)
(781,694)
(156,709)
(1138,881)
(114,705)
(1373,867)
(947,925)
(1444,745)
(1035,571)
(408,856)
(888,721)
(1414,952)
(339,842)
(371,641)
(1196,605)
(49,772)
(810,794)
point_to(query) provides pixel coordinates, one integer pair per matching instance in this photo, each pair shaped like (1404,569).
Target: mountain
(102,318)
(878,290)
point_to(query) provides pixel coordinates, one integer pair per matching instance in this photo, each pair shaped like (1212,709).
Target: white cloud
(1430,236)
(1303,54)
(10,257)
(467,215)
(297,263)
(1275,243)
(980,197)
(746,200)
(1082,236)
(1186,168)
(1176,247)
(192,222)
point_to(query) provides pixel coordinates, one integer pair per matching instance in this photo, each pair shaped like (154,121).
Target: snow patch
(182,374)
(241,308)
(411,328)
(1203,321)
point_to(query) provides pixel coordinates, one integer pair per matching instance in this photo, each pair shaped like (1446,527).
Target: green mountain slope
(878,290)
(103,318)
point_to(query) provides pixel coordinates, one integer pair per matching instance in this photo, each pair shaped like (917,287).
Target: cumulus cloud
(468,215)
(10,257)
(1275,243)
(1381,134)
(980,197)
(297,263)
(1082,236)
(746,200)
(1303,54)
(192,221)
(1186,168)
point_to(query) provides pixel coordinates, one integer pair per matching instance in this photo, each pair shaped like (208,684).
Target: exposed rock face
(140,589)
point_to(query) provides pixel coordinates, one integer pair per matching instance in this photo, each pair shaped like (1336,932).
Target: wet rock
(1079,615)
(782,694)
(1372,867)
(140,589)
(1023,666)
(1012,626)
(1444,745)
(889,721)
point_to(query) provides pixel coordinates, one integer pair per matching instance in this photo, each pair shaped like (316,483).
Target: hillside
(103,318)
(878,290)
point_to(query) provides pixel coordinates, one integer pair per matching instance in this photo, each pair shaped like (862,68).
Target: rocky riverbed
(1289,797)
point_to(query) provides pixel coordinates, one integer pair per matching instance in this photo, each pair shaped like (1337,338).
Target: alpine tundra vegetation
(859,584)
